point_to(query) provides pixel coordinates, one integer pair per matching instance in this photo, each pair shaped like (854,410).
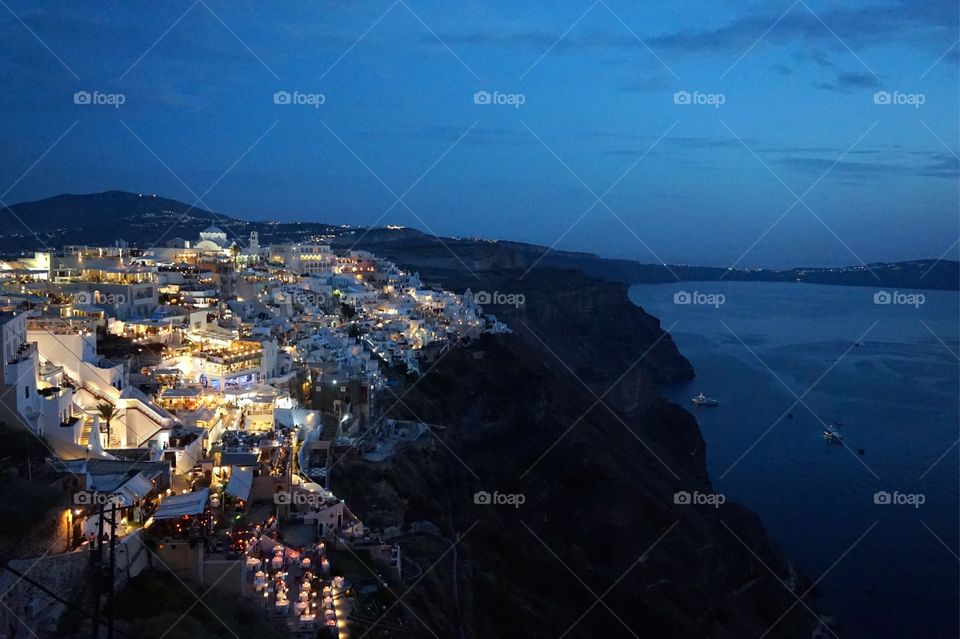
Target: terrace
(24,352)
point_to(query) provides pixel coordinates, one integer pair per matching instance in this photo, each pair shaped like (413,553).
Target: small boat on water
(832,435)
(703,400)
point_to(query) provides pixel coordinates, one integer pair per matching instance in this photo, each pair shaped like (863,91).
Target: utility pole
(99,559)
(113,565)
(97,562)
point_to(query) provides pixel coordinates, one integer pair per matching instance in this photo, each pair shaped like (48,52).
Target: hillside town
(193,401)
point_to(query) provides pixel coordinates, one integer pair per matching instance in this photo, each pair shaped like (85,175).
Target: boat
(832,435)
(703,400)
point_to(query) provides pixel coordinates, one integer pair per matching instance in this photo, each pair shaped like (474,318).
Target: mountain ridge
(92,218)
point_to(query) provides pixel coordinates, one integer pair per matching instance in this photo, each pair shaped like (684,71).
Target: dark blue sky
(708,184)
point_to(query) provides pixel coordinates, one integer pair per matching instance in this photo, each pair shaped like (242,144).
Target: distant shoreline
(100,218)
(777,281)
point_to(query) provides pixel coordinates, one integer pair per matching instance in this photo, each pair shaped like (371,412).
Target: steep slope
(103,218)
(598,478)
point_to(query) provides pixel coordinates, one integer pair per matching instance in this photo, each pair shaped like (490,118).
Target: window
(26,392)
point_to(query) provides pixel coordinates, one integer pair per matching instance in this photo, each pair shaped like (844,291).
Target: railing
(51,392)
(26,350)
(59,325)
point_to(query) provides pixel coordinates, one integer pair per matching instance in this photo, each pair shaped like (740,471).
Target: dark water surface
(898,396)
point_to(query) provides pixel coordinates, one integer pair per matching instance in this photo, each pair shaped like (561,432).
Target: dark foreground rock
(566,412)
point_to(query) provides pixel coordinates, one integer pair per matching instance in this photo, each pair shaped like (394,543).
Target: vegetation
(25,505)
(107,412)
(26,502)
(173,608)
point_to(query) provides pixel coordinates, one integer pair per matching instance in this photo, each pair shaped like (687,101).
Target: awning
(241,480)
(177,506)
(176,393)
(132,491)
(239,459)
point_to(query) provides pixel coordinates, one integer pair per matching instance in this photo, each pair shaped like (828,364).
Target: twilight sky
(783,104)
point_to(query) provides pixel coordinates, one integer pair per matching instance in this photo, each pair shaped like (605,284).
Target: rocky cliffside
(566,412)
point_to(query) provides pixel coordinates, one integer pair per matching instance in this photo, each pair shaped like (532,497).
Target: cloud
(848,81)
(874,162)
(668,144)
(478,136)
(857,80)
(647,84)
(941,165)
(818,56)
(854,26)
(927,23)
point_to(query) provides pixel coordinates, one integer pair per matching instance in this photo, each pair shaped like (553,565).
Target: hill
(148,220)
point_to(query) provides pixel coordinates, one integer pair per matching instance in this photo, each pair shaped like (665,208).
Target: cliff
(565,412)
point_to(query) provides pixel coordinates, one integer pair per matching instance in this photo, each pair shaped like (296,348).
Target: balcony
(24,352)
(51,392)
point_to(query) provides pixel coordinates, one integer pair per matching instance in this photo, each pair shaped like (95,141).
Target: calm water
(897,396)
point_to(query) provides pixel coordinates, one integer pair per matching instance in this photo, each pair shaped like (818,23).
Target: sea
(875,521)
